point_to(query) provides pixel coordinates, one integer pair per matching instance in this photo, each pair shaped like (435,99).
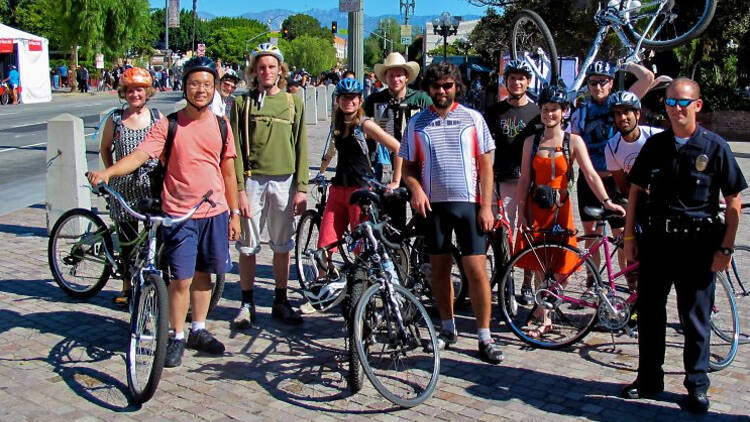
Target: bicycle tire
(355,378)
(662,38)
(306,242)
(150,306)
(529,33)
(725,324)
(739,281)
(76,252)
(5,97)
(576,321)
(369,326)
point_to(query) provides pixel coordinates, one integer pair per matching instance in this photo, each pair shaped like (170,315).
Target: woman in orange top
(550,168)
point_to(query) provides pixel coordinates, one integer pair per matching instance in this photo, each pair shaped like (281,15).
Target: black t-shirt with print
(510,126)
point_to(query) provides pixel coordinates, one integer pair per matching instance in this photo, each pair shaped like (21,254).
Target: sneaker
(245,316)
(283,312)
(446,339)
(490,352)
(527,297)
(203,341)
(175,349)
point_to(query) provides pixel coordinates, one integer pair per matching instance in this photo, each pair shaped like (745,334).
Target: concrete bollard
(322,104)
(66,185)
(311,111)
(329,98)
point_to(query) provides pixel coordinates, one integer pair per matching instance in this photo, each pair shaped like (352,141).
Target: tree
(376,47)
(298,25)
(314,54)
(229,43)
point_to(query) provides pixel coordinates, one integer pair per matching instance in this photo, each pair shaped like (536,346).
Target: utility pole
(405,5)
(166,31)
(356,43)
(195,20)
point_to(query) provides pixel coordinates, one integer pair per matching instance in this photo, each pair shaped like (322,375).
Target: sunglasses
(682,102)
(600,82)
(446,86)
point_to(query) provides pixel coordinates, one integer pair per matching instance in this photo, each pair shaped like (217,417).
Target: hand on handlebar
(96,177)
(615,208)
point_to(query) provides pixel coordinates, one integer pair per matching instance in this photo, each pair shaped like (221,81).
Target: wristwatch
(236,212)
(726,251)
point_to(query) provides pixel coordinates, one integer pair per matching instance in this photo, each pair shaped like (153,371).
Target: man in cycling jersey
(199,247)
(448,169)
(593,122)
(391,109)
(272,174)
(622,149)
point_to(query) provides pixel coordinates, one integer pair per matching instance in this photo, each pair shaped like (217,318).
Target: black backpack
(157,176)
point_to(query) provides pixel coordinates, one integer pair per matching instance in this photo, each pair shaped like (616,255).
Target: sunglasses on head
(682,102)
(446,85)
(600,82)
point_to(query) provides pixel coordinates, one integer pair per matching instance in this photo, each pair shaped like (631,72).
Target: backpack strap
(171,131)
(224,135)
(566,153)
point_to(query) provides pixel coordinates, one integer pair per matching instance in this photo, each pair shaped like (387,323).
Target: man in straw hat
(391,109)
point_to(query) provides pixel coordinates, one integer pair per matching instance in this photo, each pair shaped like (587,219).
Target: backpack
(379,159)
(157,176)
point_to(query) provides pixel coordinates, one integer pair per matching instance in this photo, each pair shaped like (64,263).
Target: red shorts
(337,215)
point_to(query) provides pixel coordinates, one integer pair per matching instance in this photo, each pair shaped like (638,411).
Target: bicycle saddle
(364,196)
(600,213)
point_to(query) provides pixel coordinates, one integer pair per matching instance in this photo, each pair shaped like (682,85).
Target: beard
(443,102)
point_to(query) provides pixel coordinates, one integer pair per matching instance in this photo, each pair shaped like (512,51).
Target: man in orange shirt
(199,160)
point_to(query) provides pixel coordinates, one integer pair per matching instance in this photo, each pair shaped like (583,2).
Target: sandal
(539,330)
(123,300)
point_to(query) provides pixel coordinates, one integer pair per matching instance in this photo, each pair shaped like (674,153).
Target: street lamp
(445,26)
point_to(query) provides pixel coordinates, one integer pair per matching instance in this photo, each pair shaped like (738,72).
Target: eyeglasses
(682,102)
(600,82)
(446,85)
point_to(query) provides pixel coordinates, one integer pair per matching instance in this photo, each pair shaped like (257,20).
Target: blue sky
(372,7)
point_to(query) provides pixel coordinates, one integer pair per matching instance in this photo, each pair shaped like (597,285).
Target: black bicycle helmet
(517,66)
(624,99)
(348,86)
(557,93)
(198,64)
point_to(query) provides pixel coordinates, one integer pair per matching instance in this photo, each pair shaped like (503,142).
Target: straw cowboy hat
(396,60)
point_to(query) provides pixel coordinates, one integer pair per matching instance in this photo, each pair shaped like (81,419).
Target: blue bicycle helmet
(602,68)
(624,99)
(348,86)
(517,66)
(198,64)
(557,93)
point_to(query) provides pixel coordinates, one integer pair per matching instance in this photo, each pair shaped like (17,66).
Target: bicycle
(576,300)
(83,253)
(639,25)
(149,309)
(737,275)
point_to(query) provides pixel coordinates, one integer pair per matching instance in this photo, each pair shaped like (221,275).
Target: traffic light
(334,27)
(285,31)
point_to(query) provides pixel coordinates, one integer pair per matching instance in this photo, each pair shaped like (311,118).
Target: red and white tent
(32,63)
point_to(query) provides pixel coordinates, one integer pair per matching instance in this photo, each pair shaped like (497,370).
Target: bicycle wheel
(570,304)
(724,324)
(403,366)
(356,376)
(76,253)
(532,42)
(5,97)
(675,24)
(306,243)
(739,281)
(147,348)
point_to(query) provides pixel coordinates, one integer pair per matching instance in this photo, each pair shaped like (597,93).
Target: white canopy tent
(33,64)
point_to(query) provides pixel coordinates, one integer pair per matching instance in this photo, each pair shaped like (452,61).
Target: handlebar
(104,189)
(377,230)
(388,193)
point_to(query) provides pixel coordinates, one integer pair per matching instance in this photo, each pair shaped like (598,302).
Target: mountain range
(276,16)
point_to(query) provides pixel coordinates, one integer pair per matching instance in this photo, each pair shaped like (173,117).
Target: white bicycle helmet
(624,99)
(265,49)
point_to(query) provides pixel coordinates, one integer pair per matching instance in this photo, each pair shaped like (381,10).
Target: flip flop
(539,330)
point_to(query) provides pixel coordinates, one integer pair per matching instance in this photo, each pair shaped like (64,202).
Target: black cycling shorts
(459,217)
(586,198)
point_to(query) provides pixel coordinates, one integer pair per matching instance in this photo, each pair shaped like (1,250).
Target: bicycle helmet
(265,49)
(557,93)
(348,86)
(198,64)
(625,99)
(230,74)
(324,294)
(601,67)
(136,77)
(517,66)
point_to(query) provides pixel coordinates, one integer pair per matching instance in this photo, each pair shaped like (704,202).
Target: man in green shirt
(272,171)
(391,109)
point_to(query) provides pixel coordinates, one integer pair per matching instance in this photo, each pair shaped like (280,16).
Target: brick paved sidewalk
(62,359)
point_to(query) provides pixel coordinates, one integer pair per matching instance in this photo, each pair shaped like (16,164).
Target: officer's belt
(683,227)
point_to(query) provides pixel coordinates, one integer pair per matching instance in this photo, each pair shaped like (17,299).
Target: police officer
(674,198)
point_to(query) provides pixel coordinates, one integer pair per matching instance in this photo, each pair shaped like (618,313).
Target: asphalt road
(23,141)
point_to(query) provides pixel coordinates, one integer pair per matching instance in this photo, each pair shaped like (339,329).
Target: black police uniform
(680,234)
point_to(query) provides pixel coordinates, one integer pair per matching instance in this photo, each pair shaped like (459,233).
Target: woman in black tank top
(350,131)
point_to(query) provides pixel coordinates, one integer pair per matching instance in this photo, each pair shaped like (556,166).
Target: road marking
(23,146)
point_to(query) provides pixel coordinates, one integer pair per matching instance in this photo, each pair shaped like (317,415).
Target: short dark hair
(441,70)
(349,72)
